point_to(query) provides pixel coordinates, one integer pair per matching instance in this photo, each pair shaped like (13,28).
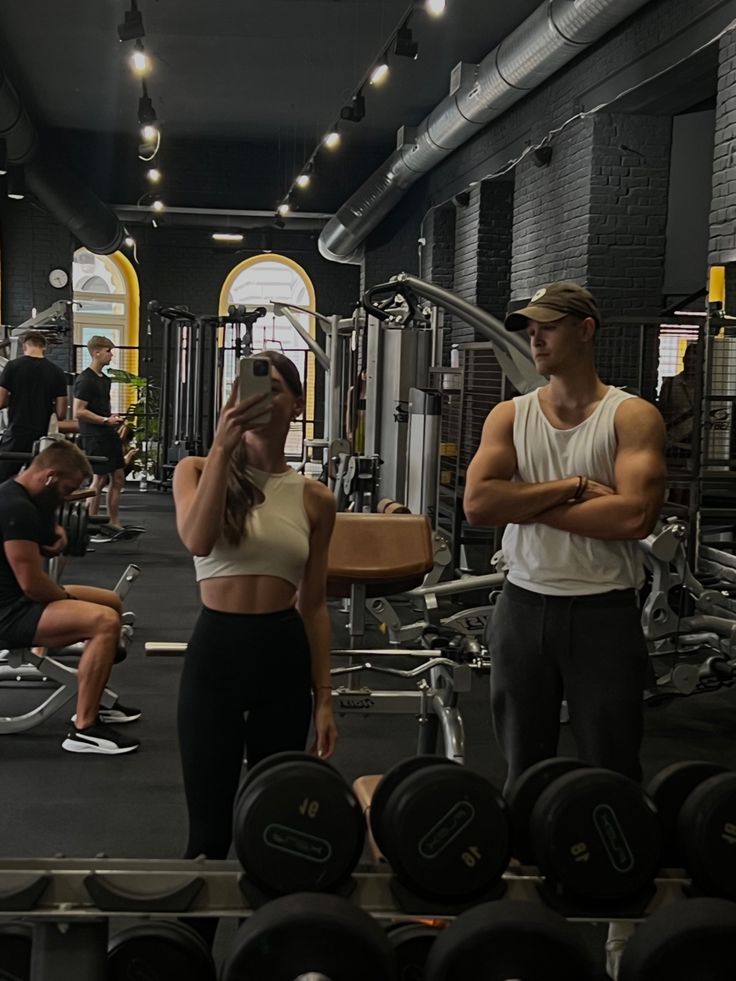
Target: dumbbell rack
(69,901)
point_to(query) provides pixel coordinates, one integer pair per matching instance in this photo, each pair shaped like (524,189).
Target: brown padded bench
(385,553)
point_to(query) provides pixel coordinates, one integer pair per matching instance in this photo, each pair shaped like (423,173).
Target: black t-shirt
(93,389)
(34,385)
(20,520)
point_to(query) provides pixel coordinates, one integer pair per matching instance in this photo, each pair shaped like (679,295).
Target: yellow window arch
(107,301)
(272,277)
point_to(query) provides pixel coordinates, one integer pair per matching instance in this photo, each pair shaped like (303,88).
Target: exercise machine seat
(386,553)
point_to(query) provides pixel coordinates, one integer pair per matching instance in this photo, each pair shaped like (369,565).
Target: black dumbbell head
(163,949)
(706,831)
(669,790)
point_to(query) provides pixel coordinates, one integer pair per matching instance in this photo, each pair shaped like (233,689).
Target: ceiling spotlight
(303,180)
(130,242)
(355,111)
(3,157)
(379,73)
(283,209)
(436,7)
(332,139)
(132,26)
(157,205)
(153,174)
(406,46)
(139,60)
(16,186)
(227,236)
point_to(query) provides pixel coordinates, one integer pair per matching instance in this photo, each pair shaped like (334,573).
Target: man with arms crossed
(31,388)
(576,472)
(98,428)
(36,611)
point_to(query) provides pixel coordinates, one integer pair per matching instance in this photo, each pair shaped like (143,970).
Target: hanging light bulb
(379,73)
(332,139)
(140,63)
(436,7)
(283,209)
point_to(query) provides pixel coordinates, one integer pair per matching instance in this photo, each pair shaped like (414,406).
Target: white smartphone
(255,379)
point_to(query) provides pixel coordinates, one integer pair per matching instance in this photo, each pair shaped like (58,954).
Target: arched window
(107,301)
(272,278)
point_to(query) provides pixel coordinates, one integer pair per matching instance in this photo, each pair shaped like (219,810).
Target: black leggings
(237,663)
(592,649)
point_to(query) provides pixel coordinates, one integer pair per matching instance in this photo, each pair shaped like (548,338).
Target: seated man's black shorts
(109,446)
(19,623)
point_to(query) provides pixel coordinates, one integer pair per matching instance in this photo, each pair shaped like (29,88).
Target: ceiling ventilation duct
(549,38)
(60,191)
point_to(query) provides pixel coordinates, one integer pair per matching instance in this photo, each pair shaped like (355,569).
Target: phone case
(252,384)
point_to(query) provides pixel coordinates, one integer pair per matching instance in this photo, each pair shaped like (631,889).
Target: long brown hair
(242,494)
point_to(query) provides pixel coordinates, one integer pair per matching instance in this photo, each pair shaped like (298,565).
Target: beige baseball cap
(553,302)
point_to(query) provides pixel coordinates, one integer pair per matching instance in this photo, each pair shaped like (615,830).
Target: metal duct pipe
(60,191)
(549,38)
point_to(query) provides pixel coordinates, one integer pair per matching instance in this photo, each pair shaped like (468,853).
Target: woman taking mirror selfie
(257,664)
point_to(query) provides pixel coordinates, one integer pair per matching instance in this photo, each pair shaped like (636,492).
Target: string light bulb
(332,139)
(157,206)
(303,180)
(149,133)
(140,63)
(283,209)
(436,7)
(153,174)
(379,73)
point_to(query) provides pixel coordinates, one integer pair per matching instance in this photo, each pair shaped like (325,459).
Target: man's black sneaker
(98,738)
(116,715)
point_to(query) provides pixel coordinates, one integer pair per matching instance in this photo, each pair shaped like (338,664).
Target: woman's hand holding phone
(237,418)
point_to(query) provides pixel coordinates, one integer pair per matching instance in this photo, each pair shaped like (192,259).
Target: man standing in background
(31,388)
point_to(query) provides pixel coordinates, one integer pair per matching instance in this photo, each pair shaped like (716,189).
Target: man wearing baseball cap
(575,470)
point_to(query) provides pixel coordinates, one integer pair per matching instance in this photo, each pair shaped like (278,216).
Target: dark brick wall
(722,245)
(438,254)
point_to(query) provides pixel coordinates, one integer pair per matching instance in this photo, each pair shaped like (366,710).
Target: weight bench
(375,555)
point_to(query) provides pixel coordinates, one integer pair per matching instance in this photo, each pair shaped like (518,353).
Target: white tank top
(277,533)
(547,560)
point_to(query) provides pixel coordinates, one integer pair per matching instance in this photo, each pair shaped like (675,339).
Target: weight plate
(15,951)
(412,943)
(448,832)
(270,761)
(304,936)
(166,950)
(509,939)
(706,831)
(524,795)
(690,940)
(669,790)
(597,834)
(389,782)
(298,827)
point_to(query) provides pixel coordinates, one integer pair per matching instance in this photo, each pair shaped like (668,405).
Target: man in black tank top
(555,631)
(31,388)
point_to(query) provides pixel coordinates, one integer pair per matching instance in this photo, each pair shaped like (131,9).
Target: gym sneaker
(98,738)
(116,715)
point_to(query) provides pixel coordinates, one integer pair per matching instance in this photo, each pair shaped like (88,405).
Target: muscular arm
(25,561)
(199,496)
(632,511)
(491,496)
(60,406)
(84,414)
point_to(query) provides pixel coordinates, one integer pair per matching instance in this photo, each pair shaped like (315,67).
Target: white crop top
(277,532)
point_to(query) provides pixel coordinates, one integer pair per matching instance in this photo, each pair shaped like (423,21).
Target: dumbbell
(509,939)
(696,801)
(15,950)
(165,950)
(689,940)
(310,935)
(297,825)
(442,827)
(593,833)
(412,942)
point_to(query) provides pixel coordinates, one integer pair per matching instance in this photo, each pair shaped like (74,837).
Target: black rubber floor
(132,806)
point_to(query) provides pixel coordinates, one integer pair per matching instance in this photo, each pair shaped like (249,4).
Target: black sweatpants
(587,649)
(245,690)
(20,442)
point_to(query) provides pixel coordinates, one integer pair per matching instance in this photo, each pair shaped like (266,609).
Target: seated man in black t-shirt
(31,388)
(98,428)
(36,611)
